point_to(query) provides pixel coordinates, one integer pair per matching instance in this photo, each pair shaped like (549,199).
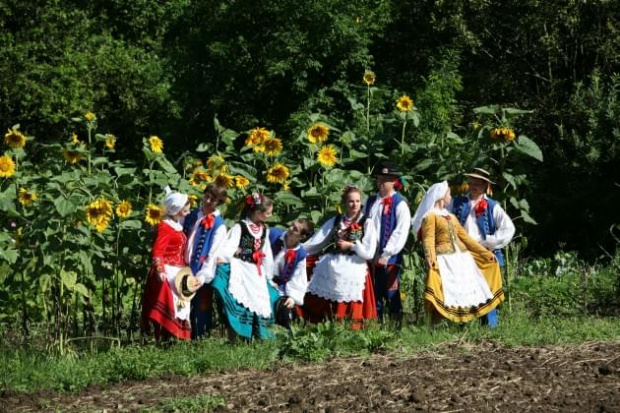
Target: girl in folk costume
(463,280)
(162,306)
(243,280)
(206,233)
(341,287)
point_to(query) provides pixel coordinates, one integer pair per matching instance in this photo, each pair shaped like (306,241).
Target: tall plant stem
(402,137)
(368,128)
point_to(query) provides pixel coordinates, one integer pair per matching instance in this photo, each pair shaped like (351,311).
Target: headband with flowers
(400,183)
(253,200)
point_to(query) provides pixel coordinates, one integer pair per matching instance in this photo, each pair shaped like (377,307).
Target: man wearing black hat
(392,218)
(484,220)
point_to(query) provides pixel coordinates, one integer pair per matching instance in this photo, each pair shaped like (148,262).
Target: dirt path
(452,378)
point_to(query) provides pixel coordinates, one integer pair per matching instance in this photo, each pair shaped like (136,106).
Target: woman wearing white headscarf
(463,280)
(161,306)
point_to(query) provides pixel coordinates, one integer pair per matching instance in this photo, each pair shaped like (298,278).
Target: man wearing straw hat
(484,220)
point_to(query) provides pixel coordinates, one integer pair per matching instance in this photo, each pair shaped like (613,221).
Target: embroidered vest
(388,223)
(289,268)
(275,239)
(203,241)
(247,244)
(354,232)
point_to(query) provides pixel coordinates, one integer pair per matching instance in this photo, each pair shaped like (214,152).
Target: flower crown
(253,200)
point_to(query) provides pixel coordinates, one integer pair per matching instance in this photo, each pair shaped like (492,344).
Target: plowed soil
(450,378)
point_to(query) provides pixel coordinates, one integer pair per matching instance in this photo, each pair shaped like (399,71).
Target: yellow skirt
(434,296)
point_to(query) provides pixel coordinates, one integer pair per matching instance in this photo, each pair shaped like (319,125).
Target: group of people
(348,269)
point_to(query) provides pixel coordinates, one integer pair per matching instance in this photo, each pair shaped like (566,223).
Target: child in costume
(243,280)
(341,287)
(463,281)
(206,233)
(161,306)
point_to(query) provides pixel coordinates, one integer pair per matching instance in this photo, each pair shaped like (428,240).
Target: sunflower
(193,200)
(200,175)
(217,163)
(72,156)
(98,214)
(256,137)
(327,156)
(503,133)
(509,134)
(123,210)
(157,145)
(154,214)
(26,198)
(225,180)
(273,146)
(241,181)
(110,141)
(318,133)
(286,185)
(75,140)
(7,166)
(90,116)
(277,173)
(369,77)
(404,103)
(15,139)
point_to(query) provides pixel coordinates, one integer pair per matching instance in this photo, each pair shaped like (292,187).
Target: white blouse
(206,273)
(341,277)
(398,237)
(247,285)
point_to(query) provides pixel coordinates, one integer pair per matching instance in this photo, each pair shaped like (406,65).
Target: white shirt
(297,285)
(504,228)
(341,277)
(398,237)
(206,273)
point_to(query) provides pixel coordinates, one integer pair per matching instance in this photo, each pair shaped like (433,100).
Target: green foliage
(190,404)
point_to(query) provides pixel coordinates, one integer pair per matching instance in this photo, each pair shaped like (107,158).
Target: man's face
(210,202)
(477,187)
(294,232)
(385,183)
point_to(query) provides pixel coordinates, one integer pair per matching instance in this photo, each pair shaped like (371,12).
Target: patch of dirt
(451,378)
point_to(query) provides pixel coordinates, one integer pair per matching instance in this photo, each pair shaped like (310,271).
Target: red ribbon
(355,226)
(257,256)
(208,221)
(290,256)
(387,204)
(398,185)
(481,207)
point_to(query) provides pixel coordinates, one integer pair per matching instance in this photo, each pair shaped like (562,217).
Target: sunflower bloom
(123,210)
(71,156)
(509,134)
(277,173)
(503,133)
(15,139)
(157,145)
(75,140)
(90,116)
(224,180)
(98,214)
(256,137)
(317,133)
(241,181)
(26,198)
(193,200)
(404,103)
(200,175)
(369,77)
(7,166)
(273,146)
(286,185)
(110,141)
(327,156)
(217,163)
(154,214)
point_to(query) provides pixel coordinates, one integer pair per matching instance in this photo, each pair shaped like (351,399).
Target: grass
(27,372)
(189,404)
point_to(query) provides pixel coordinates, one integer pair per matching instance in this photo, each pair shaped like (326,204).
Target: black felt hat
(387,168)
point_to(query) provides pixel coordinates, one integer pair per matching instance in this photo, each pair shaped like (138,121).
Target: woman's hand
(162,276)
(289,303)
(344,245)
(430,263)
(492,257)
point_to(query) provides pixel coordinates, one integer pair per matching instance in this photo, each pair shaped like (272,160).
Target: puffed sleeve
(164,234)
(229,247)
(504,231)
(366,248)
(320,239)
(398,237)
(297,286)
(207,270)
(428,237)
(268,258)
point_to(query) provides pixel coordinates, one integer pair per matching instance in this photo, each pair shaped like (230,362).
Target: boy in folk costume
(484,220)
(391,216)
(290,265)
(206,232)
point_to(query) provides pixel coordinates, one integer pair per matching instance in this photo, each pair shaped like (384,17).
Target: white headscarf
(434,194)
(174,201)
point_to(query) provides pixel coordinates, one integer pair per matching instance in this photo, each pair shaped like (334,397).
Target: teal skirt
(244,322)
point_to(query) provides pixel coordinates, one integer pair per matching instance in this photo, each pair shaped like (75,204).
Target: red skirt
(317,309)
(158,308)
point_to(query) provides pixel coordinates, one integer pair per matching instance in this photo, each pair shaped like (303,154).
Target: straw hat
(186,284)
(480,173)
